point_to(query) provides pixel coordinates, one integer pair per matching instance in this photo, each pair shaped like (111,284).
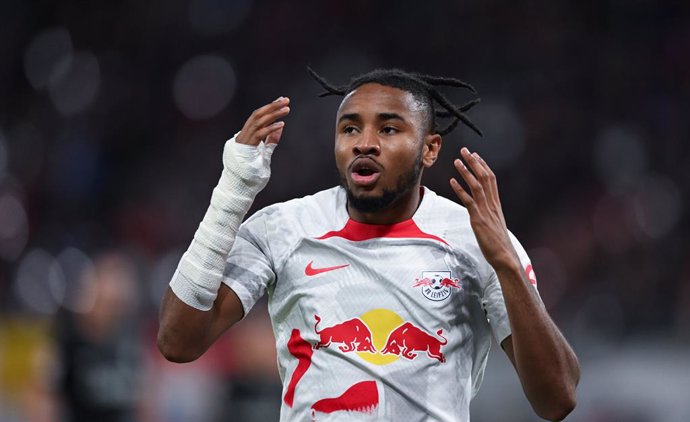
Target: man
(382,294)
(96,361)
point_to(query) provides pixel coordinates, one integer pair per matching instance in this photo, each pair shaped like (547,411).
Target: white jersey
(372,322)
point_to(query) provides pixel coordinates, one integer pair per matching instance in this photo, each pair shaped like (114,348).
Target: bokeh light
(75,265)
(39,283)
(14,227)
(204,86)
(620,158)
(45,51)
(75,82)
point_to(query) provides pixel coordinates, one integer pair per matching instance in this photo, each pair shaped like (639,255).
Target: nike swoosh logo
(311,271)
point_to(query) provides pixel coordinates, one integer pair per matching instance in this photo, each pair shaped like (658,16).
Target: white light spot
(14,227)
(39,282)
(204,86)
(75,82)
(44,52)
(75,264)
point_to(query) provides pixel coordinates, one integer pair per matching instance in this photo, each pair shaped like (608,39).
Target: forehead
(376,98)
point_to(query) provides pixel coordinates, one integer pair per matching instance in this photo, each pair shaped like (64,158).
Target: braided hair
(422,88)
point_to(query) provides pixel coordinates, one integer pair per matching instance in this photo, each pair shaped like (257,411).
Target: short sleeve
(493,301)
(249,267)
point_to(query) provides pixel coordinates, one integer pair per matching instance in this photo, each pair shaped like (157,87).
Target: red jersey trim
(357,232)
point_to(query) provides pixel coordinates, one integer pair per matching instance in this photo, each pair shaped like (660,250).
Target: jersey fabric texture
(372,322)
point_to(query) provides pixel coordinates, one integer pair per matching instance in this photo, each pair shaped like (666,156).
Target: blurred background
(112,120)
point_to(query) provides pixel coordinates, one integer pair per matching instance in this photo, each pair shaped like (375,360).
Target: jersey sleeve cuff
(502,332)
(245,296)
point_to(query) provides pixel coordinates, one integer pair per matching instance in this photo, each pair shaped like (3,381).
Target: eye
(389,130)
(349,129)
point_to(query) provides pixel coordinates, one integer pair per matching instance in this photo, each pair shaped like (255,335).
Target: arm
(545,363)
(196,310)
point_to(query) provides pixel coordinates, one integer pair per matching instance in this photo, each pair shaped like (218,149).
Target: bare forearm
(547,366)
(185,333)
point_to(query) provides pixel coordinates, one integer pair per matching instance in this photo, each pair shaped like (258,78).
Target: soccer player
(383,295)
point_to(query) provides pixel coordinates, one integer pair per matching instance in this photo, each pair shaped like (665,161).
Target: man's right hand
(263,124)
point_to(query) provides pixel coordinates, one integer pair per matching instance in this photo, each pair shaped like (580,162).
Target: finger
(265,132)
(479,171)
(492,188)
(269,118)
(465,197)
(469,178)
(269,108)
(489,182)
(275,110)
(274,137)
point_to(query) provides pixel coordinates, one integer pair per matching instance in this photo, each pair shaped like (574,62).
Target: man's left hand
(484,207)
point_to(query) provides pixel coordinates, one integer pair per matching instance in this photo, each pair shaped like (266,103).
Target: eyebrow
(380,116)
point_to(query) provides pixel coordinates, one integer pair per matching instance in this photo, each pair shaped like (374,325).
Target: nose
(367,144)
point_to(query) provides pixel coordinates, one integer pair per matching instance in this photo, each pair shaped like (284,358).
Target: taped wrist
(246,170)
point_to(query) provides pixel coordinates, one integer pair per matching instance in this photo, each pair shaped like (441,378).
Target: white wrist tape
(246,170)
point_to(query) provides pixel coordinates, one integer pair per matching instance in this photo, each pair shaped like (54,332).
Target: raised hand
(484,207)
(263,124)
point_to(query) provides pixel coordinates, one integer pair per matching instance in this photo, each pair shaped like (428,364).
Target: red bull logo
(352,335)
(437,285)
(407,339)
(381,336)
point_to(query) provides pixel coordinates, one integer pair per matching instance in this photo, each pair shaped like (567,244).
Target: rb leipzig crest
(437,285)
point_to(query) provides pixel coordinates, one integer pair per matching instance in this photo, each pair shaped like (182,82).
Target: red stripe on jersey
(357,231)
(302,350)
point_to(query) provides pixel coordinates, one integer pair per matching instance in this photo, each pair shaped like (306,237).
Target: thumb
(274,137)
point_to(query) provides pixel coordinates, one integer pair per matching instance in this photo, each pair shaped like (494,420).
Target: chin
(370,201)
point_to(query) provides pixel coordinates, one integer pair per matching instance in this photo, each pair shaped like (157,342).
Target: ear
(432,146)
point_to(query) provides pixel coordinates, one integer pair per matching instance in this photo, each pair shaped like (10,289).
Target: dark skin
(387,127)
(185,333)
(376,123)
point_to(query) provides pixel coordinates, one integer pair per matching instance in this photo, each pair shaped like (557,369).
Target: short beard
(368,204)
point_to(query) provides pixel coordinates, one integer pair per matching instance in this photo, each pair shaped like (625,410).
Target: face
(381,146)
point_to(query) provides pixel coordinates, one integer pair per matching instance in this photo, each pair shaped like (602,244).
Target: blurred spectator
(96,361)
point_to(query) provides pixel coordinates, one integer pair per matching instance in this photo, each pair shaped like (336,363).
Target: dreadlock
(422,87)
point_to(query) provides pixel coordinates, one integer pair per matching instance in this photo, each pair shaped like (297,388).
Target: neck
(400,210)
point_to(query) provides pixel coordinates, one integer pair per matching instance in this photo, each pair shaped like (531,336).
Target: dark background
(113,116)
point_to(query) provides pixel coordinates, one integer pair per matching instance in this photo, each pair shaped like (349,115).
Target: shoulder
(444,218)
(311,213)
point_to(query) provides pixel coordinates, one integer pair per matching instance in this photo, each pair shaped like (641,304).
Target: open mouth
(365,171)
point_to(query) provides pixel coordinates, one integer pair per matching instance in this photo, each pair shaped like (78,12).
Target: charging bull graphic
(353,334)
(408,338)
